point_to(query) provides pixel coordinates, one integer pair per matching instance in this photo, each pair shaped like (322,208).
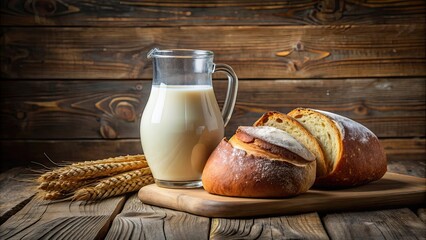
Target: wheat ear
(100,170)
(85,166)
(128,158)
(63,185)
(52,195)
(95,193)
(121,178)
(50,176)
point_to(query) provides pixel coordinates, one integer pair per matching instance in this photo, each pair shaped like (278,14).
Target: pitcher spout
(152,52)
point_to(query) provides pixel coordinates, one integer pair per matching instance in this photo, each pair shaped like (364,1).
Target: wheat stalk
(50,176)
(101,192)
(128,158)
(63,185)
(52,195)
(100,170)
(73,173)
(123,174)
(127,176)
(119,164)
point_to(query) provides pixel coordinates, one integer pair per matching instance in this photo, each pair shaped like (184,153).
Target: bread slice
(298,132)
(353,154)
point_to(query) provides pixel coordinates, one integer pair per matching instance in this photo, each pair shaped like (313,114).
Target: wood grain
(112,109)
(303,226)
(385,224)
(376,103)
(72,109)
(253,51)
(44,219)
(392,190)
(141,221)
(400,149)
(181,13)
(17,187)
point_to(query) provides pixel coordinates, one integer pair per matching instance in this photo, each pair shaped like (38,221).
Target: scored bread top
(298,132)
(279,138)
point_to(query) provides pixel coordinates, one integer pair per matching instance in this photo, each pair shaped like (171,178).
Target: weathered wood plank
(406,160)
(385,224)
(303,226)
(390,107)
(401,149)
(142,221)
(72,109)
(16,187)
(376,103)
(254,52)
(42,219)
(235,12)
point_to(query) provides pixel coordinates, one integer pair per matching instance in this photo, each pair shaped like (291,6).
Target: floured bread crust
(279,138)
(247,166)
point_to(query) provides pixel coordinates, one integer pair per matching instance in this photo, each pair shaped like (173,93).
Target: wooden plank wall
(75,77)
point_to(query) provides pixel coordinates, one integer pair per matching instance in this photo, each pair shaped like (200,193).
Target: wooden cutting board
(392,190)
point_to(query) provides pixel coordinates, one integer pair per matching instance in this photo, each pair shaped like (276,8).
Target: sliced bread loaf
(298,132)
(353,154)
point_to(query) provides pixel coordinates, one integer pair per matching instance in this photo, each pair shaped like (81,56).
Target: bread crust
(361,158)
(231,171)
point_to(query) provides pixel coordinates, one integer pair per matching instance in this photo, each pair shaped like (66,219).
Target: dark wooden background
(75,77)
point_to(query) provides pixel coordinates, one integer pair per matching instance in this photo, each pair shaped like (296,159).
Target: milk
(180,127)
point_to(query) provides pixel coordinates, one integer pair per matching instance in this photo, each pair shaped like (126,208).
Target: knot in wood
(42,8)
(139,87)
(299,46)
(126,111)
(329,10)
(361,110)
(107,131)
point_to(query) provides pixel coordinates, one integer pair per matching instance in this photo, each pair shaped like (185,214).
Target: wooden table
(126,217)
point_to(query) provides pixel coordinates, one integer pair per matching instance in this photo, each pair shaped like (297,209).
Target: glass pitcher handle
(231,94)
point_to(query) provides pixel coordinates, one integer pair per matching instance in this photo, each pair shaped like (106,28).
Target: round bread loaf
(262,162)
(353,153)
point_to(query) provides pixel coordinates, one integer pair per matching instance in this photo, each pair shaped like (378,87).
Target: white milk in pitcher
(181,127)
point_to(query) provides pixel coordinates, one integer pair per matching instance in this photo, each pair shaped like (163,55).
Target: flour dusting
(280,138)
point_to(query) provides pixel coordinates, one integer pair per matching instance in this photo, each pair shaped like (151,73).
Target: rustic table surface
(24,216)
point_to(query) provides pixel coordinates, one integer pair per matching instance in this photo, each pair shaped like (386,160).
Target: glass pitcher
(182,123)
